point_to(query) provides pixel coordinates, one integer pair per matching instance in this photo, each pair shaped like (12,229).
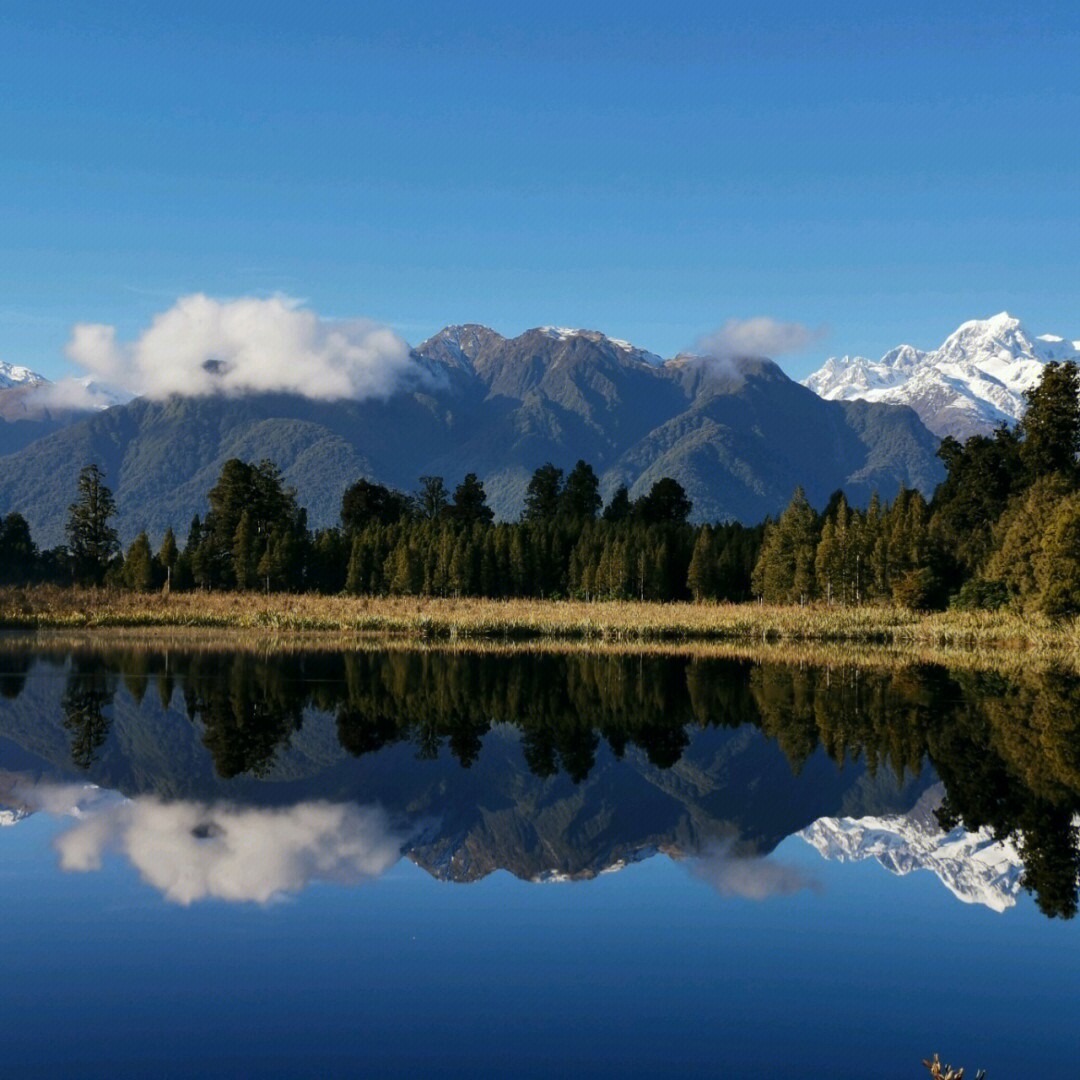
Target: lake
(310,862)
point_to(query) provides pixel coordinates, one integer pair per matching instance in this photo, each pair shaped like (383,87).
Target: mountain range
(975,381)
(738,434)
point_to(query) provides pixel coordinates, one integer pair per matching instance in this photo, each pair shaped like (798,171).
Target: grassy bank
(432,619)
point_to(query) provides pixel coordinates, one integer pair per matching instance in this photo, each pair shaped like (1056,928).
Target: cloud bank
(75,395)
(759,336)
(192,851)
(204,346)
(748,877)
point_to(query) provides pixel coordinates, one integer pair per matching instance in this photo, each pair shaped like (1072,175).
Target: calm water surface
(398,863)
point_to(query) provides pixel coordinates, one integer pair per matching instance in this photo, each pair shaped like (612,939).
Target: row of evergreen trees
(1003,527)
(434,542)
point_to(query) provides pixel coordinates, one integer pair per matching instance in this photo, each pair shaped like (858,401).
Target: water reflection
(974,866)
(548,765)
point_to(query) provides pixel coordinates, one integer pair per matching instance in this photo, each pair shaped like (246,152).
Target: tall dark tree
(1051,425)
(581,496)
(168,554)
(666,504)
(273,519)
(18,553)
(365,503)
(543,493)
(618,507)
(982,475)
(92,541)
(470,502)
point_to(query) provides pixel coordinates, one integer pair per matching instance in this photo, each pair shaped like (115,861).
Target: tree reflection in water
(1007,748)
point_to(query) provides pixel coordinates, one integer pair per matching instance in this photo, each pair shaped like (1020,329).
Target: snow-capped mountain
(12,815)
(563,333)
(13,375)
(975,381)
(973,866)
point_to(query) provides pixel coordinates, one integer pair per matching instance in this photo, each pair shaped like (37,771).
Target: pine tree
(470,502)
(92,540)
(784,572)
(619,507)
(245,558)
(1051,425)
(167,555)
(139,565)
(581,496)
(18,553)
(701,576)
(542,497)
(356,578)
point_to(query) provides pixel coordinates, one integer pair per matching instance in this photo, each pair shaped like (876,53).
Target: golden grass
(834,655)
(417,620)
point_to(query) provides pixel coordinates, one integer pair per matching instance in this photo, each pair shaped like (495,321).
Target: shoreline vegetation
(469,620)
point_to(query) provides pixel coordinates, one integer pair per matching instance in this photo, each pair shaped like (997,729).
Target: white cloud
(749,877)
(191,851)
(75,395)
(203,346)
(759,336)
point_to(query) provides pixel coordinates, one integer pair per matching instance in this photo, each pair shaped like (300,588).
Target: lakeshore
(434,619)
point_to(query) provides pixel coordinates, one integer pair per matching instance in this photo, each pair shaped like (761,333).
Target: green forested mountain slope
(739,435)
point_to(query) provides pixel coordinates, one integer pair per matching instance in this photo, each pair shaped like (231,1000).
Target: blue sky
(883,171)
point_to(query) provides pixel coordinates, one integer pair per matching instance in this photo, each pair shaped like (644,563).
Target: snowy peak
(472,347)
(973,866)
(13,375)
(976,380)
(567,334)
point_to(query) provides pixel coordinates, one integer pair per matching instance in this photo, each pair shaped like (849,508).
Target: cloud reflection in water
(191,851)
(749,877)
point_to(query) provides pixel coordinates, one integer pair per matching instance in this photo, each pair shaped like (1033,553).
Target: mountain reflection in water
(243,775)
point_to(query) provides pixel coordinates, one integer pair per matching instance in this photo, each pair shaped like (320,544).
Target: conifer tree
(784,572)
(92,540)
(18,553)
(245,557)
(470,502)
(618,507)
(542,497)
(138,569)
(1050,427)
(701,576)
(167,555)
(581,496)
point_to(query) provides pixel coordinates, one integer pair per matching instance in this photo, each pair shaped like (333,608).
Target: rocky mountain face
(738,434)
(975,381)
(973,866)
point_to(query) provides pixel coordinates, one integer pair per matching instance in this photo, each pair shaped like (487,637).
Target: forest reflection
(1007,748)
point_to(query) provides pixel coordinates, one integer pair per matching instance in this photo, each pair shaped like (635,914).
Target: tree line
(435,541)
(1002,528)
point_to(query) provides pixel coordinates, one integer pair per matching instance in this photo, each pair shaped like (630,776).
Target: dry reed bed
(831,655)
(613,622)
